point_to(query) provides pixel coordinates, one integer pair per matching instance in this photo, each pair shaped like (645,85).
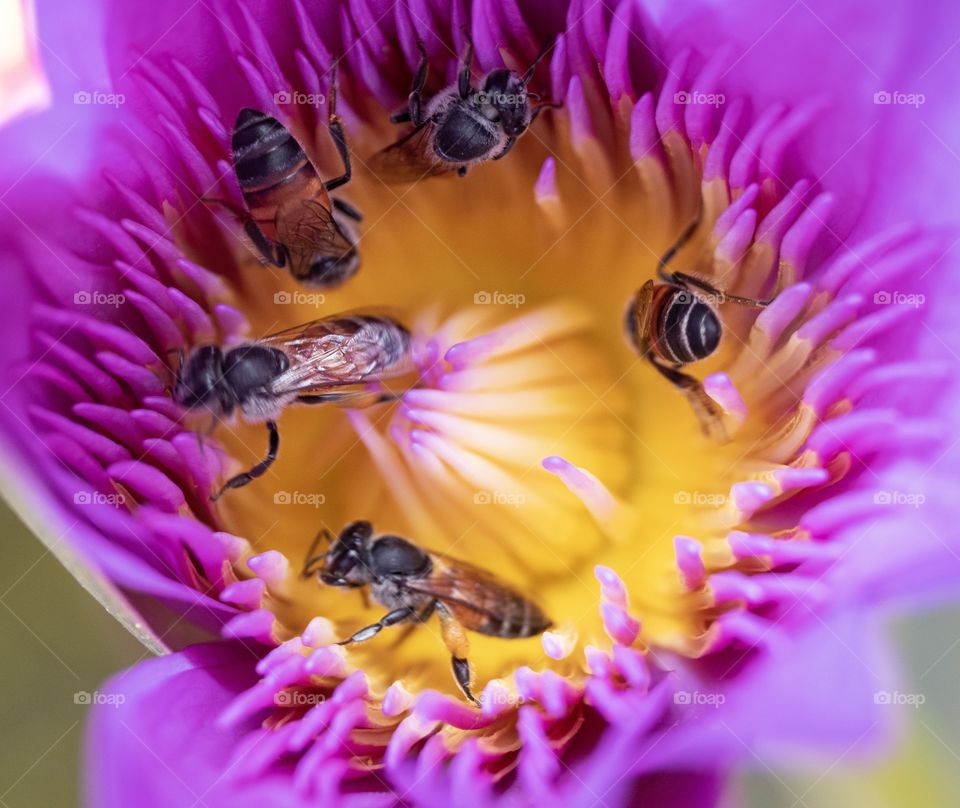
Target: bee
(323,361)
(414,583)
(461,125)
(289,216)
(673,322)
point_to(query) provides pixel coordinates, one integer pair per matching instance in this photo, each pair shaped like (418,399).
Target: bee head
(504,99)
(328,271)
(349,561)
(198,379)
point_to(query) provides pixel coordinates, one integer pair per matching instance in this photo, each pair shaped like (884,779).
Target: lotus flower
(714,604)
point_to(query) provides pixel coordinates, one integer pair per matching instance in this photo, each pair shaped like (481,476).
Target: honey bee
(414,583)
(674,322)
(323,361)
(290,217)
(461,125)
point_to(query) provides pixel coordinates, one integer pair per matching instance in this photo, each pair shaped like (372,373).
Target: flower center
(537,444)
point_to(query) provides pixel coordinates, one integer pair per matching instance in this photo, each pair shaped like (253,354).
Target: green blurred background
(57,641)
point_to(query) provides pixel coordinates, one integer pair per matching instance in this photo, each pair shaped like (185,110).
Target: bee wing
(341,350)
(409,159)
(473,593)
(308,226)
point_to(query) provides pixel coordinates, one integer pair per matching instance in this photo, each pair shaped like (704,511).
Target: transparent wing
(409,159)
(341,350)
(308,227)
(461,584)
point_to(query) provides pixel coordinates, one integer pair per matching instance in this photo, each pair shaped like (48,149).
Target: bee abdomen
(520,619)
(264,152)
(689,328)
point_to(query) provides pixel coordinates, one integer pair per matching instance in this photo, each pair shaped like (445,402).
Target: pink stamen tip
(244,594)
(720,387)
(257,624)
(619,625)
(546,185)
(396,700)
(319,632)
(271,567)
(611,586)
(749,497)
(594,494)
(689,562)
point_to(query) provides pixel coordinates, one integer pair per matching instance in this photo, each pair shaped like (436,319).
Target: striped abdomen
(271,166)
(686,328)
(514,619)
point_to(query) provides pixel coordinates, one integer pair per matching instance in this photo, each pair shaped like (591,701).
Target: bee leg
(720,294)
(463,78)
(422,617)
(704,407)
(462,171)
(679,244)
(455,638)
(400,615)
(308,566)
(414,112)
(340,141)
(347,210)
(258,470)
(271,251)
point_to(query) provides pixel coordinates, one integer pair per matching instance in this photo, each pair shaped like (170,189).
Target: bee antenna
(545,48)
(310,564)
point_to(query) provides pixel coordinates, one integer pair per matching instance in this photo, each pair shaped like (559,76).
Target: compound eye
(491,114)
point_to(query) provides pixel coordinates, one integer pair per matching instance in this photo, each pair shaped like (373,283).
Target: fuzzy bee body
(290,217)
(462,125)
(687,327)
(329,360)
(671,323)
(415,583)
